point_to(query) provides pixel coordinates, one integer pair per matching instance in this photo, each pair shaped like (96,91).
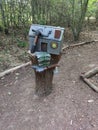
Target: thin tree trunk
(2,14)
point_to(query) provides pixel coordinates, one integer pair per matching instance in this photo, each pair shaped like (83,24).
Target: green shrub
(21,44)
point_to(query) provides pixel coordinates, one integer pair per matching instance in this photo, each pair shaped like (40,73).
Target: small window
(57,34)
(44,47)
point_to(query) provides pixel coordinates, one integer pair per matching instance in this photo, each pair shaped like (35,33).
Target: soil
(72,105)
(13,50)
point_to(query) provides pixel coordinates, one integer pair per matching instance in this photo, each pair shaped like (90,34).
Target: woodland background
(16,16)
(68,13)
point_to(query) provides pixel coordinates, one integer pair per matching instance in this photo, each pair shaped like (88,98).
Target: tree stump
(43,81)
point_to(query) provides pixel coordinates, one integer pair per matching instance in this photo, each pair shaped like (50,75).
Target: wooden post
(43,81)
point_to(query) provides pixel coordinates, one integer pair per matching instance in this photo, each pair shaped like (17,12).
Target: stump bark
(43,81)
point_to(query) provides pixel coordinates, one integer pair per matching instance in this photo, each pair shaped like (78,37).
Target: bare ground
(72,105)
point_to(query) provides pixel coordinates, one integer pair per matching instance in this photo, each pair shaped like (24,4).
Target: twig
(88,75)
(13,69)
(91,85)
(78,44)
(91,73)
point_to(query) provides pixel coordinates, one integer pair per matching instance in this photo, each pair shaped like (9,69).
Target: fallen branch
(88,75)
(13,69)
(91,73)
(78,44)
(91,85)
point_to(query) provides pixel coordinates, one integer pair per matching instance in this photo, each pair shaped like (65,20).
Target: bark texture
(43,81)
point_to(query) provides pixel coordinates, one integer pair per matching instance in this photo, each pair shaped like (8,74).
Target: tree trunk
(2,15)
(43,82)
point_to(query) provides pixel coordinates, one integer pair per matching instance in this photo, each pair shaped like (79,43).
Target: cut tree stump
(43,81)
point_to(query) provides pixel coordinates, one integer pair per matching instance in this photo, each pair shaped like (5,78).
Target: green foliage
(92,8)
(1,43)
(21,44)
(96,15)
(76,10)
(22,13)
(42,21)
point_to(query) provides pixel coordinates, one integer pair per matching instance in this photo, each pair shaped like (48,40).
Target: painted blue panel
(48,31)
(48,36)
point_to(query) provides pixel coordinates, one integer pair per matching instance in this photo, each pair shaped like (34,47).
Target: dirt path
(72,105)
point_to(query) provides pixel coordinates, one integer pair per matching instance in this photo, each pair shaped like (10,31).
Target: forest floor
(72,105)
